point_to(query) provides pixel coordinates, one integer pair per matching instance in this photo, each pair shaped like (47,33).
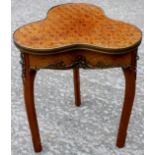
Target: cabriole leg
(28,83)
(130,81)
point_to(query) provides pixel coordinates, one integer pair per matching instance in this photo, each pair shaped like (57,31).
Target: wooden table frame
(76,59)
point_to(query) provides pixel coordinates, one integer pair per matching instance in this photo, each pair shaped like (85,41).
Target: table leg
(77,86)
(130,78)
(28,81)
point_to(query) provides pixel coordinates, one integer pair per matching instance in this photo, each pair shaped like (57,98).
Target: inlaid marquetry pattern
(77,24)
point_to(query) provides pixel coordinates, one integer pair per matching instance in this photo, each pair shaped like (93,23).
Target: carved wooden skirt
(93,41)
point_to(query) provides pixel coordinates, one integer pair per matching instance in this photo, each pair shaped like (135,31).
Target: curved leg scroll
(130,78)
(28,82)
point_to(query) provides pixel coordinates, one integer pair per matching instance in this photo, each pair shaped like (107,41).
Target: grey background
(64,128)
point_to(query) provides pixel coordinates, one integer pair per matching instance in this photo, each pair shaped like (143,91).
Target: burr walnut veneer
(73,36)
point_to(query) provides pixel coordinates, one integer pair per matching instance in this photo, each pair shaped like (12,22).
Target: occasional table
(73,36)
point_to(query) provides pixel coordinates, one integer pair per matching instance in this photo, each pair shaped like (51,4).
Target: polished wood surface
(75,36)
(83,59)
(77,26)
(76,78)
(130,84)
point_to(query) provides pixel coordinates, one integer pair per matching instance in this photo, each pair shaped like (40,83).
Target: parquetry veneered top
(80,26)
